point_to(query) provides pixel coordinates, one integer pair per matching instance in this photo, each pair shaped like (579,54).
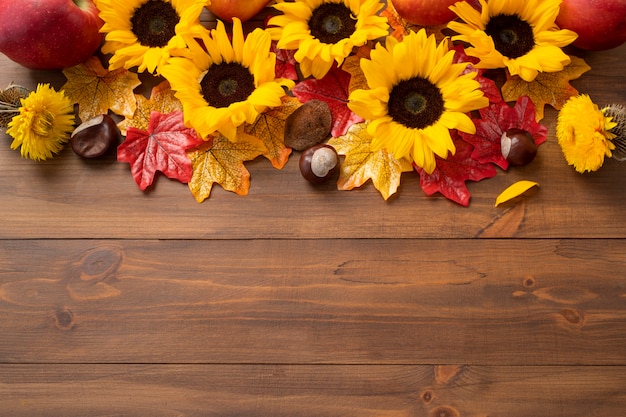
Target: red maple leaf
(494,121)
(160,148)
(450,174)
(334,90)
(285,63)
(487,85)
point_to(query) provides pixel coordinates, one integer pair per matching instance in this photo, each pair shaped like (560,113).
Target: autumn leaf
(221,161)
(161,100)
(352,65)
(333,89)
(497,119)
(97,90)
(361,164)
(161,148)
(285,62)
(450,174)
(270,129)
(551,88)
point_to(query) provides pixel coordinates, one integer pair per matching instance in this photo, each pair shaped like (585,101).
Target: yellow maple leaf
(352,65)
(551,88)
(221,161)
(161,99)
(270,129)
(97,90)
(361,164)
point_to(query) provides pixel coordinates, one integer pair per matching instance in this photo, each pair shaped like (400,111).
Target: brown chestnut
(518,146)
(93,137)
(319,163)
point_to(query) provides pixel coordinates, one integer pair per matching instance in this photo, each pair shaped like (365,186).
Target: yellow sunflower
(43,125)
(518,35)
(228,85)
(325,31)
(583,131)
(146,33)
(416,94)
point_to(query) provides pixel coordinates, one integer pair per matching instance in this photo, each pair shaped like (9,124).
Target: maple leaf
(333,89)
(352,65)
(450,174)
(551,88)
(221,161)
(161,148)
(487,85)
(494,121)
(285,62)
(270,129)
(161,100)
(97,90)
(361,164)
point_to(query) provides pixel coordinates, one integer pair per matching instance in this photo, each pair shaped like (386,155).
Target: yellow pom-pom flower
(518,35)
(326,31)
(583,132)
(416,95)
(228,85)
(43,125)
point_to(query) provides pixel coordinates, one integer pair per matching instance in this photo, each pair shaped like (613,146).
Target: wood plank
(73,198)
(488,302)
(278,390)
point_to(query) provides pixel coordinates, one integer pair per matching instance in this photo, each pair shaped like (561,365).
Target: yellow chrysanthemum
(518,35)
(146,33)
(416,95)
(325,31)
(228,85)
(583,131)
(43,125)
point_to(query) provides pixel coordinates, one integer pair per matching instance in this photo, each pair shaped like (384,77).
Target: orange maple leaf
(97,90)
(361,164)
(352,65)
(221,161)
(551,88)
(402,27)
(270,129)
(162,100)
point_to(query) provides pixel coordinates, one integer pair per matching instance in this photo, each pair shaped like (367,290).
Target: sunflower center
(416,103)
(512,36)
(226,83)
(154,23)
(332,22)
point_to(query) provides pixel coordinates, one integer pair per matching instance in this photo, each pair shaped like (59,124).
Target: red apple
(424,12)
(49,34)
(242,9)
(600,24)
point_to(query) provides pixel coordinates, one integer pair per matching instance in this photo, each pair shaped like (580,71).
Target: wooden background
(308,301)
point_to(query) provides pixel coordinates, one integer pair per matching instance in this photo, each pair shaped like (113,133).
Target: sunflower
(325,31)
(583,131)
(146,33)
(228,85)
(43,125)
(416,94)
(518,35)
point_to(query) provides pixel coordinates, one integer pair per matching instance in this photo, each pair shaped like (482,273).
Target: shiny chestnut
(93,137)
(518,146)
(319,163)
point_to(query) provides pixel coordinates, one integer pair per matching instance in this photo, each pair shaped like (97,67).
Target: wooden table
(303,301)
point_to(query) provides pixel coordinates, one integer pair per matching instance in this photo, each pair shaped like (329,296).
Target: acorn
(319,163)
(518,146)
(95,136)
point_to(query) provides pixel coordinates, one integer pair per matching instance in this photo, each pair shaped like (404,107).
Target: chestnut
(93,137)
(518,146)
(319,163)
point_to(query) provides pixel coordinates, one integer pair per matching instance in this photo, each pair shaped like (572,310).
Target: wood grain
(314,301)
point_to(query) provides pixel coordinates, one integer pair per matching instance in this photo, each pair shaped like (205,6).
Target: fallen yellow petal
(515,190)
